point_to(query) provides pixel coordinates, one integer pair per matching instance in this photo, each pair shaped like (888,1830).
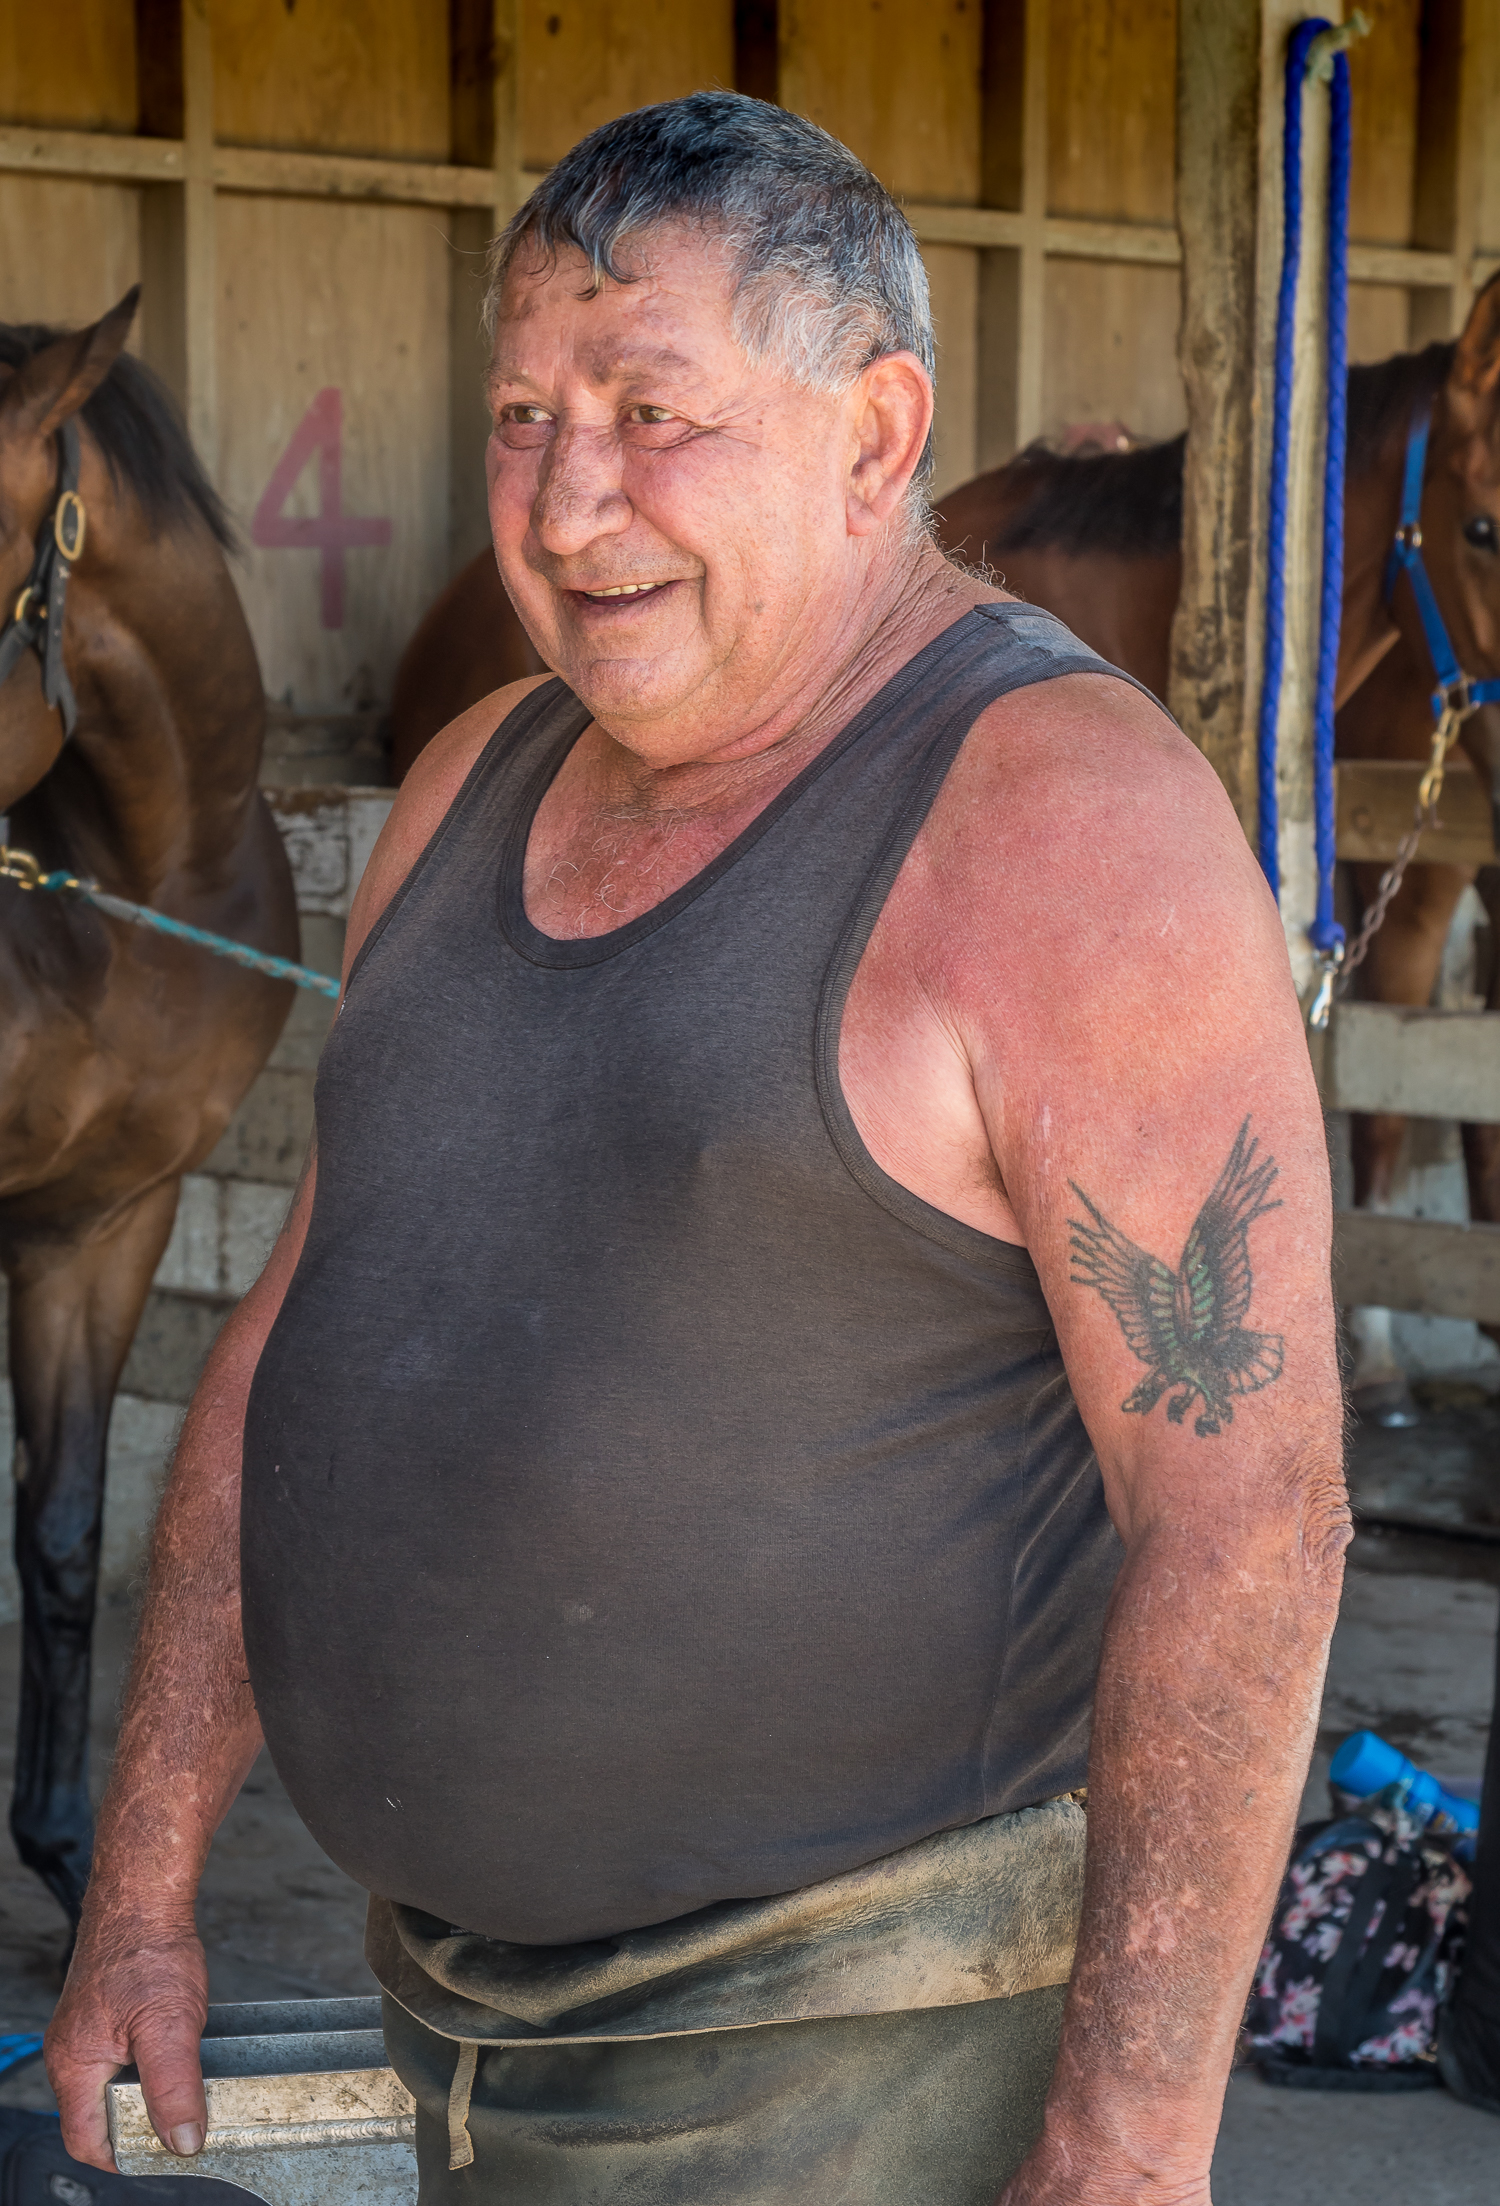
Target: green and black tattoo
(1185,1326)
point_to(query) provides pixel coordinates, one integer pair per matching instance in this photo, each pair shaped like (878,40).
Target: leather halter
(1456,693)
(36,618)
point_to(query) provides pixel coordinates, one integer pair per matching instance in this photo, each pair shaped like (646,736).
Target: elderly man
(819,1222)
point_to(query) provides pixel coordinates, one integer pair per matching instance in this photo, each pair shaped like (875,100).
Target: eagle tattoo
(1186,1326)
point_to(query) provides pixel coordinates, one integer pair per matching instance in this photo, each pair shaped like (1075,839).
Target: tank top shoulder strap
(525,747)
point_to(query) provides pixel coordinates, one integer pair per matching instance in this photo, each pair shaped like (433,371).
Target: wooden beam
(1418,1264)
(1215,657)
(92,153)
(350,176)
(1416,1063)
(1376,800)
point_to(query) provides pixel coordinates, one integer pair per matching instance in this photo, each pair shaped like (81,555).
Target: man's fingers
(80,2102)
(172,2081)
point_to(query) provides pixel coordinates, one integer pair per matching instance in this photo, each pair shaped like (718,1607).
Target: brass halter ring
(69,525)
(19,866)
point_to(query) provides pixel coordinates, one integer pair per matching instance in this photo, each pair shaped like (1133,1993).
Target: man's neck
(896,616)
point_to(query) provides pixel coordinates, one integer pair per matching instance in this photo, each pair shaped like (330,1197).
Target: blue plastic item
(16,2048)
(1366,1764)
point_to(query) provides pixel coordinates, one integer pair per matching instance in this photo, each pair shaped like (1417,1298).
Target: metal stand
(302,2108)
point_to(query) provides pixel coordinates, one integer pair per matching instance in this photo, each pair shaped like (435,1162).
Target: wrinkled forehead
(672,315)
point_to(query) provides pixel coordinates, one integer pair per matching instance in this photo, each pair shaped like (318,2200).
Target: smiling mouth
(622,589)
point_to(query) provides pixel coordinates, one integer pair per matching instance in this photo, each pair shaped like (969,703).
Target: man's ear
(896,392)
(1476,365)
(46,389)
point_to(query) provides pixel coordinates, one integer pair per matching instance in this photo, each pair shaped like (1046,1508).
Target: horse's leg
(1482,1143)
(1403,965)
(73,1312)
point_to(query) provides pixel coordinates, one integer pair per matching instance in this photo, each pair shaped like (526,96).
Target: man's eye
(651,417)
(526,417)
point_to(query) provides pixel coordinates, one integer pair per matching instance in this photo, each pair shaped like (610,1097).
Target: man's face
(670,520)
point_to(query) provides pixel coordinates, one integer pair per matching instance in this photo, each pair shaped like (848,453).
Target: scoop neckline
(564,951)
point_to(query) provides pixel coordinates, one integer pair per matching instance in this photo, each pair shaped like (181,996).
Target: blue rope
(1269,823)
(17,2047)
(141,915)
(1325,933)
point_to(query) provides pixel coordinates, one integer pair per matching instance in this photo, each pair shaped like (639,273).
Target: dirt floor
(1413,1658)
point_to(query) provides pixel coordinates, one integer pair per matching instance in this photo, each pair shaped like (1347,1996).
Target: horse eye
(1482,533)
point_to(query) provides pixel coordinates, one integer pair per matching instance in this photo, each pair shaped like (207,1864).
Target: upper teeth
(623,589)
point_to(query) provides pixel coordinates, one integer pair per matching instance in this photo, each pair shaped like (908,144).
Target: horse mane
(1381,399)
(1129,504)
(137,427)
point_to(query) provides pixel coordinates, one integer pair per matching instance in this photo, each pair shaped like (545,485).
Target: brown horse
(1096,539)
(122,1053)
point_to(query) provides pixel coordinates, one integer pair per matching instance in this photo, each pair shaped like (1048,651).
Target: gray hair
(825,270)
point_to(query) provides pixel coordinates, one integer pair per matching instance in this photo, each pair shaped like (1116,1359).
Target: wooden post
(178,259)
(200,273)
(1231,74)
(1013,278)
(1450,117)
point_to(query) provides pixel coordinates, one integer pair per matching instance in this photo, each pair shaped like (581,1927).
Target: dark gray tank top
(647,1501)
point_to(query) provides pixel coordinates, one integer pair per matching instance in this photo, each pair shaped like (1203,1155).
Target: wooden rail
(1376,799)
(1420,1064)
(1417,1264)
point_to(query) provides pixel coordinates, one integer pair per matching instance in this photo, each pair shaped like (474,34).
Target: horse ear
(64,375)
(1476,365)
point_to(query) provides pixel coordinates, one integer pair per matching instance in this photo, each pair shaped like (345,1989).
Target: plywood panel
(1383,85)
(337,76)
(1379,321)
(353,301)
(72,67)
(1111,108)
(68,250)
(585,61)
(953,273)
(897,82)
(1482,57)
(1111,348)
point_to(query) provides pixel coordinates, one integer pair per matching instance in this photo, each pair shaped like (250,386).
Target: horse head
(1460,523)
(36,399)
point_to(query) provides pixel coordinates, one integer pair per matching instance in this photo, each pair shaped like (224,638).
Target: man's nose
(580,495)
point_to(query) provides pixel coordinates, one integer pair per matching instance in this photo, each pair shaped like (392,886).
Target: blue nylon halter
(1454,688)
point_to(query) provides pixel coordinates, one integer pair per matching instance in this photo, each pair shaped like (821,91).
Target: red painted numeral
(331,531)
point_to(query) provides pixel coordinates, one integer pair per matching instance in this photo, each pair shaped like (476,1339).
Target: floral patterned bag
(1362,1952)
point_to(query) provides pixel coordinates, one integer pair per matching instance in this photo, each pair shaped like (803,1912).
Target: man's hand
(135,1992)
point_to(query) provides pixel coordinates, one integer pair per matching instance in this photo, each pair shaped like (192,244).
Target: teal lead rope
(19,866)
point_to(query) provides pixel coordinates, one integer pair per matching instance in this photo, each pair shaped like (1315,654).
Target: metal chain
(1338,968)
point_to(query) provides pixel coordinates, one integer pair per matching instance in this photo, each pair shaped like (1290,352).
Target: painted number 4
(331,530)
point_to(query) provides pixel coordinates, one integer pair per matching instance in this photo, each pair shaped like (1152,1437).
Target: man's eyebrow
(629,364)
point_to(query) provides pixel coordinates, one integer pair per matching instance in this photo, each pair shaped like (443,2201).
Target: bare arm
(1115,971)
(137,1988)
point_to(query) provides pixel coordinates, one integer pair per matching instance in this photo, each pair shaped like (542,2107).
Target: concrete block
(311,1015)
(268,1136)
(253,1215)
(329,833)
(191,1261)
(173,1338)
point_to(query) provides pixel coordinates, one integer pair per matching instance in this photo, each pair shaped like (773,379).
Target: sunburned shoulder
(1080,833)
(436,777)
(1083,784)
